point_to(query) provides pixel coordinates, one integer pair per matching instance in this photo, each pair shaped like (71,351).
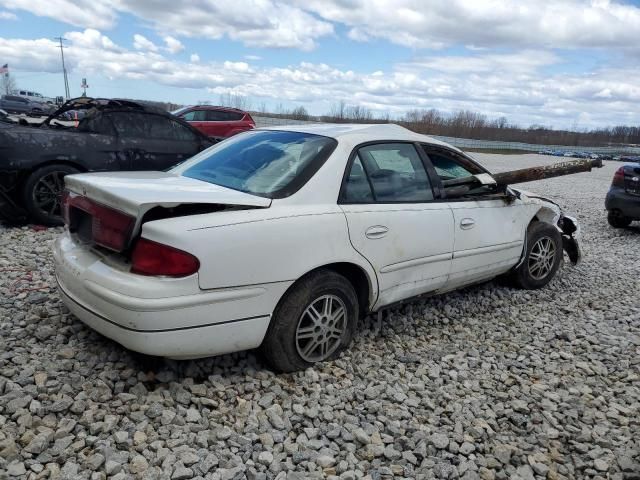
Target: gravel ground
(489,382)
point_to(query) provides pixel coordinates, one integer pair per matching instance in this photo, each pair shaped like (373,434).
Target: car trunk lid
(114,205)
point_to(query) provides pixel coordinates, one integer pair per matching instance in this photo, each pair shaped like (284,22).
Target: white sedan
(283,238)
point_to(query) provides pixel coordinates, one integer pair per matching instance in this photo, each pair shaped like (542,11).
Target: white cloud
(414,23)
(194,58)
(141,42)
(81,13)
(253,57)
(519,62)
(173,44)
(257,23)
(8,16)
(519,86)
(535,24)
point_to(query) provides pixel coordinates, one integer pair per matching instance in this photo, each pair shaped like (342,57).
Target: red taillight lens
(618,178)
(152,258)
(110,228)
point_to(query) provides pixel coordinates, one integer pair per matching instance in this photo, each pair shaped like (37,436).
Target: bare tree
(8,84)
(299,113)
(338,110)
(234,100)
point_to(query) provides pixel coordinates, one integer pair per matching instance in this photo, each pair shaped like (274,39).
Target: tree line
(460,124)
(474,125)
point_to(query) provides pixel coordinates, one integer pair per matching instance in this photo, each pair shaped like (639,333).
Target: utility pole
(64,68)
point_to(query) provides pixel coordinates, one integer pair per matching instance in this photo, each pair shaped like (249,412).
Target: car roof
(212,107)
(362,132)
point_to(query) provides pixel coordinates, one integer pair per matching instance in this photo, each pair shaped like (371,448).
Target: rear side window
(223,116)
(394,173)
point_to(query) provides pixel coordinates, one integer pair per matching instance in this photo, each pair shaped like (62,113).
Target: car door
(17,104)
(100,145)
(153,142)
(198,120)
(217,125)
(394,222)
(489,227)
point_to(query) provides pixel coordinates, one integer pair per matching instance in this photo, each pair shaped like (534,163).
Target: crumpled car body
(113,135)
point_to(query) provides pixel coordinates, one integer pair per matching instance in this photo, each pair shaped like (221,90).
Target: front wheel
(42,193)
(313,322)
(542,258)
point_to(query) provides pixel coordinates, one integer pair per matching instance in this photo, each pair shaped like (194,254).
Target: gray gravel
(489,382)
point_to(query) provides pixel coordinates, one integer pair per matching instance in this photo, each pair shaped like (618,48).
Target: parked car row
(275,238)
(601,156)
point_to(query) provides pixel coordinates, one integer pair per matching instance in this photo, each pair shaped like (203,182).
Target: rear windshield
(268,163)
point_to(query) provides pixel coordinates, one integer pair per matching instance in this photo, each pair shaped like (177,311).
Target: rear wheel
(42,194)
(542,258)
(313,322)
(617,220)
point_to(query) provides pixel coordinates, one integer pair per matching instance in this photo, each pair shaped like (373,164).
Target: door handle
(377,231)
(467,223)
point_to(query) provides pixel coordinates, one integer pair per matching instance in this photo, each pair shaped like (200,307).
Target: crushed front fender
(570,235)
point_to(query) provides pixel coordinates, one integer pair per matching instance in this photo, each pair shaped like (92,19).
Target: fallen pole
(529,174)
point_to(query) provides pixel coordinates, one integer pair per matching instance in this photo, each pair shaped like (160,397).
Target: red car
(216,122)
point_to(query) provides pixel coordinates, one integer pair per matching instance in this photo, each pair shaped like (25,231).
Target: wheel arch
(365,287)
(55,161)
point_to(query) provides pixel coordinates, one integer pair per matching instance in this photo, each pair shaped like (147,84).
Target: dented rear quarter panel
(248,247)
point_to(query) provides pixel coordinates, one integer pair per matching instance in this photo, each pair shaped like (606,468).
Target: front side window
(395,174)
(448,168)
(271,164)
(195,116)
(180,132)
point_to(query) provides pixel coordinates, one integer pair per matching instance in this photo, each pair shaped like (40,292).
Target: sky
(557,63)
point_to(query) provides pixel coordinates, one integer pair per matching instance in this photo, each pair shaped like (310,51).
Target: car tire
(542,259)
(46,184)
(617,220)
(321,309)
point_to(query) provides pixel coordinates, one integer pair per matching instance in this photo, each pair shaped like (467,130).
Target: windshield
(269,163)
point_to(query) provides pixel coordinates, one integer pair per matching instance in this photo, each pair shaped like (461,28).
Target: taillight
(153,258)
(110,228)
(618,178)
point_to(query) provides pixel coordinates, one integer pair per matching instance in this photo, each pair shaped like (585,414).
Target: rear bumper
(161,316)
(627,204)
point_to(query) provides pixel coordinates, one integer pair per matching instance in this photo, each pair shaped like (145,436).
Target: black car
(623,199)
(112,135)
(15,104)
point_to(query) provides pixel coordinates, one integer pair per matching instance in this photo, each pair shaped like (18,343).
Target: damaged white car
(283,238)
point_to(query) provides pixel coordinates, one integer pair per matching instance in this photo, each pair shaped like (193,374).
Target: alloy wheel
(541,258)
(47,193)
(321,328)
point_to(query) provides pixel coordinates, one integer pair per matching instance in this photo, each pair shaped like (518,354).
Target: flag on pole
(4,70)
